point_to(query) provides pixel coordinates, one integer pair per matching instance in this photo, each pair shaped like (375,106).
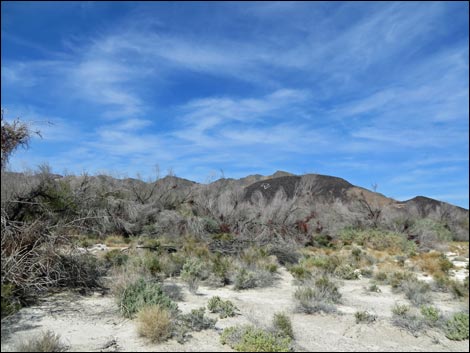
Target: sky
(376,93)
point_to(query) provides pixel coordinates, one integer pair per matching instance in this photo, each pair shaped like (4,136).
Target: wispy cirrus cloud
(363,91)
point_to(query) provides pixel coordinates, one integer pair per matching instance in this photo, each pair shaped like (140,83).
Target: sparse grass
(154,323)
(364,317)
(46,342)
(252,339)
(225,308)
(283,325)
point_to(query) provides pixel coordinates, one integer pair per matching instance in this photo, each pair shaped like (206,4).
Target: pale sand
(92,323)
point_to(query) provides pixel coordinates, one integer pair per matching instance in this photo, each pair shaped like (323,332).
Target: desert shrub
(224,308)
(283,325)
(404,318)
(79,270)
(367,272)
(377,239)
(418,292)
(192,273)
(116,257)
(364,317)
(244,279)
(327,263)
(457,288)
(431,315)
(299,272)
(10,303)
(396,279)
(381,276)
(46,342)
(114,240)
(142,293)
(456,328)
(196,320)
(374,288)
(154,322)
(285,254)
(172,264)
(347,272)
(172,291)
(431,234)
(321,296)
(251,339)
(221,268)
(151,263)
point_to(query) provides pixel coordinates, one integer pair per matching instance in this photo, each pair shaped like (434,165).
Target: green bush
(346,272)
(252,339)
(299,272)
(283,325)
(374,288)
(431,315)
(192,273)
(224,308)
(456,328)
(143,293)
(377,239)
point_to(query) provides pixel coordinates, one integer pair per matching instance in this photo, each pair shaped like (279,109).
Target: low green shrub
(322,295)
(224,308)
(431,315)
(142,293)
(253,339)
(456,328)
(196,320)
(283,325)
(347,272)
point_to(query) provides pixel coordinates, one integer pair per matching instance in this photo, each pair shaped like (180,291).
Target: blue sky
(373,92)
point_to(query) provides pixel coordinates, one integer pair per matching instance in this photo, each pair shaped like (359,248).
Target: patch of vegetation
(418,292)
(192,273)
(404,318)
(364,317)
(378,240)
(196,320)
(374,288)
(154,323)
(431,315)
(456,328)
(142,293)
(116,257)
(322,295)
(347,272)
(46,342)
(224,308)
(252,339)
(10,304)
(283,325)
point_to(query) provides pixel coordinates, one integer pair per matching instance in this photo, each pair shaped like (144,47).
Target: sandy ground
(92,323)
